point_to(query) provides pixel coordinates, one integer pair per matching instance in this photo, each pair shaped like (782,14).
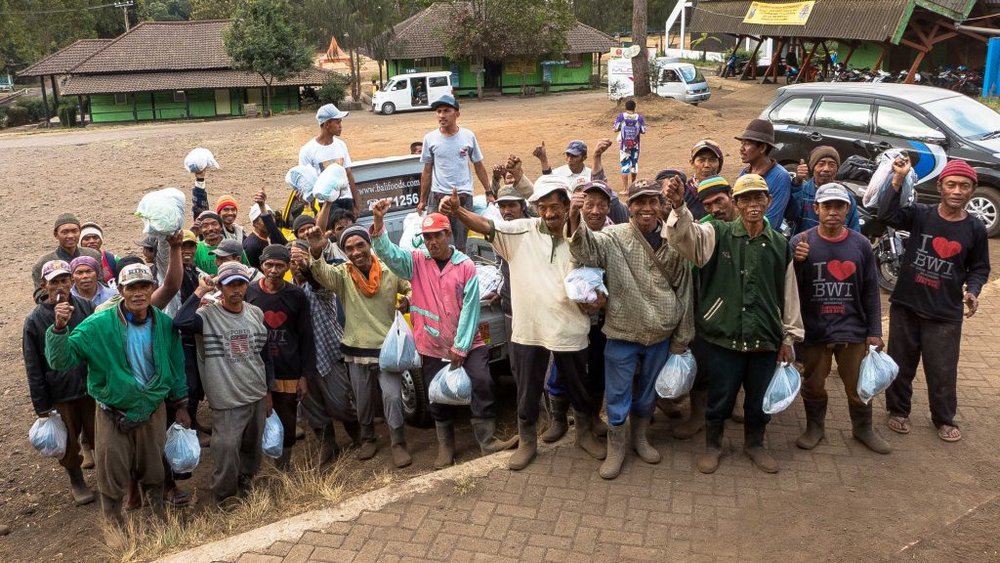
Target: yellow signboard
(770,13)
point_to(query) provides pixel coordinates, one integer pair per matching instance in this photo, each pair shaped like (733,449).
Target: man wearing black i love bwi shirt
(838,289)
(945,265)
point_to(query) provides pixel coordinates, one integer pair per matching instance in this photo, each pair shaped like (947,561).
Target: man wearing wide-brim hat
(747,310)
(756,144)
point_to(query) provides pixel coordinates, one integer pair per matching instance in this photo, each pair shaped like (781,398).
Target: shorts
(629,159)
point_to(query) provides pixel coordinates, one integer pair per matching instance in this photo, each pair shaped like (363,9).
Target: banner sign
(770,13)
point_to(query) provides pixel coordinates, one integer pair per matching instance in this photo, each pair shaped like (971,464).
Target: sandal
(899,424)
(949,433)
(177,497)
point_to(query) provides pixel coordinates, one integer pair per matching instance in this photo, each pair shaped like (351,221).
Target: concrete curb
(290,529)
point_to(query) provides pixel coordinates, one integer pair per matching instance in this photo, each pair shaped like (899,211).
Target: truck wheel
(388,108)
(416,407)
(985,204)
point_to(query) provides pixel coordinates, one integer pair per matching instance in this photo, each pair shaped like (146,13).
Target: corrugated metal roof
(82,84)
(867,20)
(161,46)
(959,7)
(65,59)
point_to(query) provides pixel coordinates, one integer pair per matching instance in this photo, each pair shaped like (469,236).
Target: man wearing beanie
(91,236)
(706,162)
(945,265)
(66,230)
(209,225)
(367,291)
(85,282)
(823,163)
(227,209)
(289,339)
(756,144)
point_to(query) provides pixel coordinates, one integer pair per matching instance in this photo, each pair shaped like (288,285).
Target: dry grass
(465,485)
(275,495)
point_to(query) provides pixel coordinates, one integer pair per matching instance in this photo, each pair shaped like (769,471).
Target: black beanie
(275,252)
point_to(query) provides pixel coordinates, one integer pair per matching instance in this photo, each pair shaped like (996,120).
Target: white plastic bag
(399,350)
(878,371)
(162,211)
(479,204)
(677,376)
(783,388)
(272,442)
(881,181)
(199,159)
(331,183)
(492,212)
(450,387)
(302,179)
(182,450)
(584,283)
(411,231)
(489,279)
(48,435)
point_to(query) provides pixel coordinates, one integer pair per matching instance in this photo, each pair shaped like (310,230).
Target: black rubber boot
(708,461)
(78,487)
(446,444)
(586,440)
(861,429)
(815,424)
(753,446)
(400,456)
(485,431)
(559,421)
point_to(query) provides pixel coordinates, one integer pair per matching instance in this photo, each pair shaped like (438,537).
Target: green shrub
(3,116)
(333,90)
(35,108)
(67,113)
(17,116)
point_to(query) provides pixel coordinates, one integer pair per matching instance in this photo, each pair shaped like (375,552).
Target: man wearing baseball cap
(66,231)
(92,236)
(327,147)
(446,155)
(238,376)
(824,161)
(135,365)
(944,266)
(227,209)
(841,311)
(748,327)
(61,391)
(576,161)
(756,144)
(546,322)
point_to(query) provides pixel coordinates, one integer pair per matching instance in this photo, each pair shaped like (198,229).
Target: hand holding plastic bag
(878,371)
(272,442)
(182,450)
(450,387)
(784,387)
(411,231)
(584,283)
(881,182)
(331,183)
(399,350)
(162,211)
(48,435)
(489,279)
(199,160)
(302,179)
(677,376)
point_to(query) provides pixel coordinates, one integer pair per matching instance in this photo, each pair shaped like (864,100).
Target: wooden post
(152,104)
(135,110)
(774,62)
(752,63)
(187,105)
(805,64)
(725,63)
(850,52)
(90,108)
(79,103)
(45,101)
(55,93)
(913,68)
(878,62)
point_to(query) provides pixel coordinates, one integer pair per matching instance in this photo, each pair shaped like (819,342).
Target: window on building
(843,116)
(180,96)
(121,99)
(795,110)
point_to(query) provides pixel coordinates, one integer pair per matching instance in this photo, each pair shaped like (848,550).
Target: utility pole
(125,6)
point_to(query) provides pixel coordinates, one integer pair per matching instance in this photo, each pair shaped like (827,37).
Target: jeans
(595,363)
(727,372)
(628,392)
(477,367)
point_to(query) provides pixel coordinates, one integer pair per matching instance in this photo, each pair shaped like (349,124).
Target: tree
(500,29)
(640,62)
(213,9)
(31,30)
(163,10)
(262,39)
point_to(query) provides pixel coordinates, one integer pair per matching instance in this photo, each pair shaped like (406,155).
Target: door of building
(222,106)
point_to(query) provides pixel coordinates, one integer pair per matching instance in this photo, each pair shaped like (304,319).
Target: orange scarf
(368,287)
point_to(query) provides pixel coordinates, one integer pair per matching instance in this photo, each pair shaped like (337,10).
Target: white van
(412,92)
(671,79)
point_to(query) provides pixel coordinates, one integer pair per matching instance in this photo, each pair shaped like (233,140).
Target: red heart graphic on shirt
(841,269)
(946,248)
(274,319)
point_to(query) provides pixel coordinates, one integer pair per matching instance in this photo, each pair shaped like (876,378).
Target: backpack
(630,132)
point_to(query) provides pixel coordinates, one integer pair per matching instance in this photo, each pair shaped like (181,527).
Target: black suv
(931,124)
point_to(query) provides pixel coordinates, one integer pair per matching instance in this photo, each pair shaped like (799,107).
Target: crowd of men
(254,322)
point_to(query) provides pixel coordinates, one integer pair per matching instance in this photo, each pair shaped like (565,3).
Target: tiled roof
(65,59)
(162,46)
(82,84)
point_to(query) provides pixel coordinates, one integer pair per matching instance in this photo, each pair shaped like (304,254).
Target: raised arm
(398,260)
(451,206)
(693,241)
(584,244)
(187,319)
(174,275)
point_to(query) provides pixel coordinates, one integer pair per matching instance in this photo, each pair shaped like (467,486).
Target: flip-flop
(899,424)
(949,433)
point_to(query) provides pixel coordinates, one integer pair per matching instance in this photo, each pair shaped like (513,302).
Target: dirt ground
(100,174)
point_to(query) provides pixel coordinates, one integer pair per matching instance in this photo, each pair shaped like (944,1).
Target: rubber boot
(400,457)
(485,432)
(368,444)
(78,487)
(284,461)
(329,451)
(112,510)
(354,431)
(88,458)
(687,429)
(558,423)
(815,424)
(753,446)
(446,444)
(640,441)
(527,446)
(612,465)
(708,461)
(600,427)
(861,429)
(585,438)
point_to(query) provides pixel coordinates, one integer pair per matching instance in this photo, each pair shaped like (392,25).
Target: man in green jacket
(135,362)
(748,309)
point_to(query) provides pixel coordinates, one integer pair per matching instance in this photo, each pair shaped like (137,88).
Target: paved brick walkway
(838,502)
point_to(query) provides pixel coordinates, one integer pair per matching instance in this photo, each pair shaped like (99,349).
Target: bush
(67,113)
(3,116)
(333,90)
(35,108)
(17,116)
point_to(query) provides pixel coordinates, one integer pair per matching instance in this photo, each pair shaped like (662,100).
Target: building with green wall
(166,71)
(416,46)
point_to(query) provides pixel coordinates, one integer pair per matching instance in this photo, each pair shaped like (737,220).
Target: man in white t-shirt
(446,154)
(327,147)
